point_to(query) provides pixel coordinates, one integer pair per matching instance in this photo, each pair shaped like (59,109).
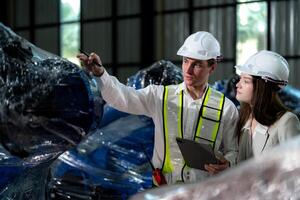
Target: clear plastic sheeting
(111,163)
(274,175)
(25,179)
(291,98)
(46,107)
(159,73)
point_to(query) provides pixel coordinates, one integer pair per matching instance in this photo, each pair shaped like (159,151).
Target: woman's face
(244,89)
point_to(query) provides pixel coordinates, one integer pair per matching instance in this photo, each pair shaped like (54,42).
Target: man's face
(196,72)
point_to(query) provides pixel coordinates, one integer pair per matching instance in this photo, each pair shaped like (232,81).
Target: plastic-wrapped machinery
(47,105)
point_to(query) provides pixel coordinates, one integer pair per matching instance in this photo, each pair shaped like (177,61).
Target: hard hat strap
(219,58)
(278,82)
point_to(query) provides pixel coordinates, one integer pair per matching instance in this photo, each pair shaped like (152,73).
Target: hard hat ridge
(201,45)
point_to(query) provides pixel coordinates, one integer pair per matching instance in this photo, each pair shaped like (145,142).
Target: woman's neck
(253,124)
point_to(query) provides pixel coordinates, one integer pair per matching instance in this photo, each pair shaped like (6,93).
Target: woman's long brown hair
(267,106)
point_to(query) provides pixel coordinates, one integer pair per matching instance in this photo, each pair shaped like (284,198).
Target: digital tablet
(196,154)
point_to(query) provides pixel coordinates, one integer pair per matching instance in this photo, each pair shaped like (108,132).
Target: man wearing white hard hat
(191,110)
(264,121)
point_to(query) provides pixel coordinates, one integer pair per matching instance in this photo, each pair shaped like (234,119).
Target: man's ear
(212,68)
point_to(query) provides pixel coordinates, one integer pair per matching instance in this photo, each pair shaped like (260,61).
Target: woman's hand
(92,63)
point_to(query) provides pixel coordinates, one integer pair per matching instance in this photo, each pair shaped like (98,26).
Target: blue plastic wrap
(110,160)
(47,105)
(159,73)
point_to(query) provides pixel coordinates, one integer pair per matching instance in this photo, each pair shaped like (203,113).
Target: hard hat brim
(192,55)
(239,69)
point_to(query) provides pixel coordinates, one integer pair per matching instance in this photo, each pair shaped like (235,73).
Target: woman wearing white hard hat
(264,121)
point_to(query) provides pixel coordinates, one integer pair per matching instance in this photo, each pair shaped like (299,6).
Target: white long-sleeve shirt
(148,102)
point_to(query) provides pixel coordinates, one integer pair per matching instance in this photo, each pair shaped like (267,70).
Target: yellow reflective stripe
(198,132)
(179,117)
(167,165)
(216,127)
(199,127)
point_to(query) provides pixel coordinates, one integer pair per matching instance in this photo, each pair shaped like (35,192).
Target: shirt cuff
(102,80)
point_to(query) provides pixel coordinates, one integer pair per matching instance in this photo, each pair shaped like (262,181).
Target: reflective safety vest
(207,128)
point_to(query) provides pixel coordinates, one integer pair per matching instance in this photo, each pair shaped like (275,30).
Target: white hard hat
(268,65)
(201,46)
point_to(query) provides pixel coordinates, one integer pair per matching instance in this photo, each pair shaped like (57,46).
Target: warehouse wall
(132,34)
